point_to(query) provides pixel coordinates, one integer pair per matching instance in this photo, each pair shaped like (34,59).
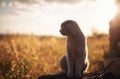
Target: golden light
(108,8)
(105,11)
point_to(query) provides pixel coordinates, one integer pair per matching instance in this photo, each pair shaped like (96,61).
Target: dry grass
(27,57)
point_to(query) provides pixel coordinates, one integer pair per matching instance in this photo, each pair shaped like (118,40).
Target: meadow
(29,56)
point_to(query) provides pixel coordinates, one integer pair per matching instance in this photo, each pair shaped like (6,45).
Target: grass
(29,56)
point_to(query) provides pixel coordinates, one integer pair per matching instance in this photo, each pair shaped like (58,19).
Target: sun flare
(106,10)
(37,17)
(109,8)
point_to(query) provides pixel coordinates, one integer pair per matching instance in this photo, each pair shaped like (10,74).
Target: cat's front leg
(70,64)
(78,67)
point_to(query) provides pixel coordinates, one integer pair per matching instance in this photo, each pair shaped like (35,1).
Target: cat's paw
(78,75)
(70,75)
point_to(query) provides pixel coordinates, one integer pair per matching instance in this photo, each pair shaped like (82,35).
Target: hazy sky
(45,16)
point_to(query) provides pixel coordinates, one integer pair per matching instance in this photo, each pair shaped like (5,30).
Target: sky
(44,17)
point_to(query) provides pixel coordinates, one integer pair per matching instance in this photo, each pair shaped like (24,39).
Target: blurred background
(43,17)
(30,42)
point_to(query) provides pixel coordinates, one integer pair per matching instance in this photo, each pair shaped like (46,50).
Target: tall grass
(28,56)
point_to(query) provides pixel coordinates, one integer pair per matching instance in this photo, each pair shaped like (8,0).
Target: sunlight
(108,8)
(36,18)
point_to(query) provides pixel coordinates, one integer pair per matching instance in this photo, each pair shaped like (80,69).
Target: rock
(109,76)
(56,76)
(86,76)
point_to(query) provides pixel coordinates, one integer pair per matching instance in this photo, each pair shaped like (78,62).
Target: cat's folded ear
(69,28)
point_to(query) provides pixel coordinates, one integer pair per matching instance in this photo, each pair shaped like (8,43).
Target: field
(29,56)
